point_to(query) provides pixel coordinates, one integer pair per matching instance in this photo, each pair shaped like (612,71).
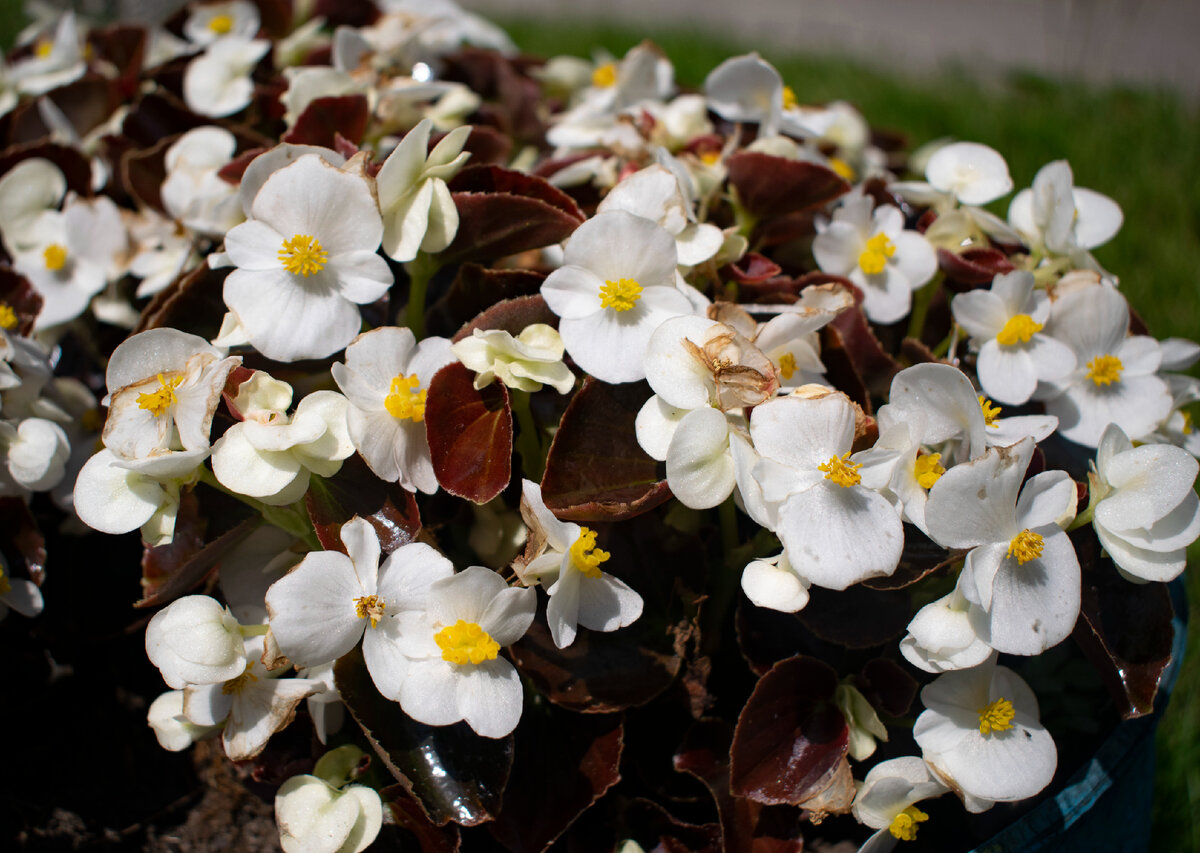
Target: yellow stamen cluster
(990,411)
(842,168)
(789,98)
(841,470)
(1026,546)
(620,295)
(234,685)
(406,399)
(1188,426)
(55,257)
(303,255)
(1105,369)
(874,257)
(43,48)
(221,24)
(585,555)
(465,642)
(1020,328)
(157,402)
(711,158)
(605,76)
(996,717)
(5,586)
(928,469)
(370,607)
(787,365)
(904,825)
(8,317)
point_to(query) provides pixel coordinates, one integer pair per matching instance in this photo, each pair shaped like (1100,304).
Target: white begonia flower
(29,191)
(418,211)
(310,82)
(314,816)
(174,731)
(527,362)
(1115,379)
(206,24)
(888,796)
(164,388)
(72,255)
(642,77)
(941,636)
(1144,504)
(835,531)
(568,568)
(700,369)
(116,495)
(749,89)
(271,456)
(874,251)
(19,594)
(771,582)
(980,735)
(193,193)
(306,260)
(56,61)
(217,83)
(253,705)
(1022,571)
(323,607)
(973,173)
(1057,217)
(35,452)
(454,671)
(655,193)
(386,378)
(864,725)
(159,253)
(195,640)
(790,340)
(616,286)
(1005,324)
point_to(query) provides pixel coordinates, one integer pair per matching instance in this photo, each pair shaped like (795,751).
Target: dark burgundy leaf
(502,212)
(487,146)
(474,290)
(658,831)
(774,186)
(753,268)
(1124,628)
(125,47)
(409,816)
(356,491)
(870,360)
(512,316)
(470,434)
(564,762)
(596,470)
(18,294)
(143,171)
(191,303)
(858,617)
(790,738)
(158,115)
(974,267)
(86,103)
(21,542)
(786,290)
(705,755)
(326,118)
(767,636)
(453,773)
(887,686)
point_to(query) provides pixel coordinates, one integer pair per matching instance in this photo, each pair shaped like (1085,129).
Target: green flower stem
(1084,518)
(291,519)
(728,576)
(922,299)
(420,270)
(528,438)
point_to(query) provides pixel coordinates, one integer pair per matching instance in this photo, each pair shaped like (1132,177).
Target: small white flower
(217,83)
(174,731)
(195,640)
(889,794)
(941,636)
(56,61)
(974,174)
(18,594)
(35,453)
(527,362)
(655,194)
(568,568)
(28,191)
(212,21)
(193,193)
(1057,217)
(313,816)
(454,671)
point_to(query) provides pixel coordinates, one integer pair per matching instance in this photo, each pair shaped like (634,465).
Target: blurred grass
(1142,148)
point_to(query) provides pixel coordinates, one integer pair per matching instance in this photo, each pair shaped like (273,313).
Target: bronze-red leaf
(470,434)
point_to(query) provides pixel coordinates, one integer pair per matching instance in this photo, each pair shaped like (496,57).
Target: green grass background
(1140,147)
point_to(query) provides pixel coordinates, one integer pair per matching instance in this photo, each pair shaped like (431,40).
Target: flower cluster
(413,327)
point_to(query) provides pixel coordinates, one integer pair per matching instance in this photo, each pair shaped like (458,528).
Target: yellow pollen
(406,399)
(1186,429)
(1019,329)
(842,471)
(369,606)
(990,411)
(904,825)
(787,365)
(585,556)
(1105,369)
(996,717)
(303,255)
(710,158)
(44,48)
(157,402)
(5,586)
(221,24)
(789,98)
(842,168)
(620,295)
(604,76)
(8,317)
(1026,546)
(928,469)
(55,257)
(234,685)
(875,256)
(465,642)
